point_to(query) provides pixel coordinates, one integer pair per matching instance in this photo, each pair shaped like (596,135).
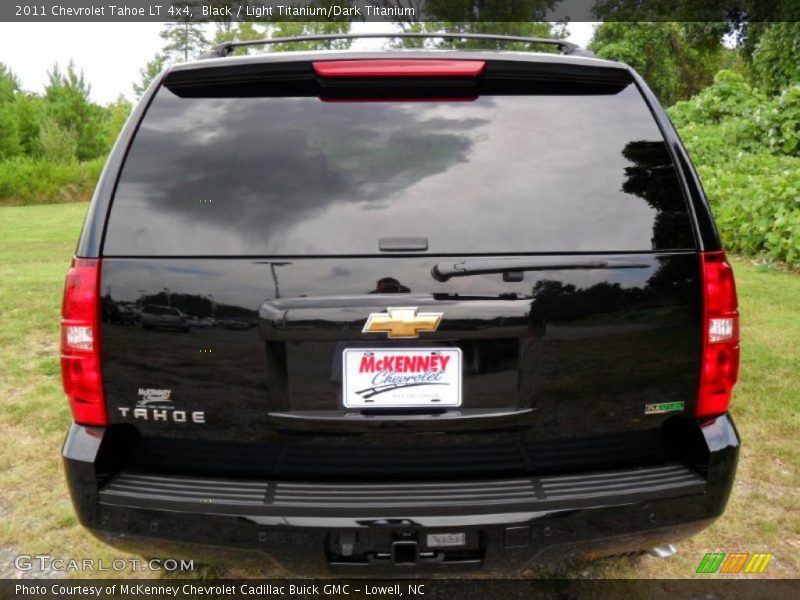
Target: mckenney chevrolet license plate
(402,377)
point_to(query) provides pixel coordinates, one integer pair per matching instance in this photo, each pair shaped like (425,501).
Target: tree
(227,30)
(776,60)
(58,144)
(179,45)
(183,40)
(676,59)
(9,84)
(225,26)
(487,11)
(68,104)
(116,115)
(245,30)
(525,29)
(29,111)
(741,21)
(149,72)
(504,17)
(295,28)
(10,143)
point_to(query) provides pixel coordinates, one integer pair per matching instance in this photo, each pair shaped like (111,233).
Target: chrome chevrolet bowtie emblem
(402,322)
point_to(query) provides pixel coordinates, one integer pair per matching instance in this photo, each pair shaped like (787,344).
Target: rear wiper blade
(444,270)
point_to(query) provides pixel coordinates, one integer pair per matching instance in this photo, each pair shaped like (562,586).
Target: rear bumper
(499,525)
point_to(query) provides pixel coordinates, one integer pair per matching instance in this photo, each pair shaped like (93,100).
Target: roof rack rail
(564,46)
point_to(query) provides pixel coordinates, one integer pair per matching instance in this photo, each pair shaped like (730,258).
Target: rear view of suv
(432,309)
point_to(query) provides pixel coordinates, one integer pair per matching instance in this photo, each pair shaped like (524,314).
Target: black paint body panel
(560,355)
(582,523)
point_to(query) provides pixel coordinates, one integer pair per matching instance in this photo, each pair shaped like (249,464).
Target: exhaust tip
(664,551)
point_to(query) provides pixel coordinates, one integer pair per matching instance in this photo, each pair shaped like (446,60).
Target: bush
(746,118)
(747,147)
(729,96)
(784,123)
(777,56)
(756,201)
(34,181)
(58,144)
(9,133)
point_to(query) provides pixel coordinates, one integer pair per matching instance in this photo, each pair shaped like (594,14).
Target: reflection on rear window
(298,176)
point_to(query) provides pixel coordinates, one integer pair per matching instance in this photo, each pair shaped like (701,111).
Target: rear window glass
(247,176)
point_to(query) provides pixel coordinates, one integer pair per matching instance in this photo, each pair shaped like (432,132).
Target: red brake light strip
(399,68)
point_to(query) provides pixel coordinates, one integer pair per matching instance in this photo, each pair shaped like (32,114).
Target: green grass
(36,243)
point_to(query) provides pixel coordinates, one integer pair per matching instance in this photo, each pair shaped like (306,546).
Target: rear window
(247,176)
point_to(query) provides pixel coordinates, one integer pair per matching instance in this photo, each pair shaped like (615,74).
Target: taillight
(80,342)
(720,363)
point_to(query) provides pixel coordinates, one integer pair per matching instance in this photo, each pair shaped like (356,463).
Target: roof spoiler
(563,46)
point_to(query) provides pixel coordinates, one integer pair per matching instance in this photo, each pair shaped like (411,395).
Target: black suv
(453,308)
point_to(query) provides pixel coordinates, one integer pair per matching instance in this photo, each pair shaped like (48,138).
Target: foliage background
(737,108)
(733,92)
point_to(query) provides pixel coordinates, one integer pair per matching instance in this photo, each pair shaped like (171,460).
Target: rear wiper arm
(512,268)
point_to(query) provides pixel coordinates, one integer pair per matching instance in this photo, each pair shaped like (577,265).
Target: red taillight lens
(80,342)
(720,363)
(399,68)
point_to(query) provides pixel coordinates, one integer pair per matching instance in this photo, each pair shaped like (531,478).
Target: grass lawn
(36,243)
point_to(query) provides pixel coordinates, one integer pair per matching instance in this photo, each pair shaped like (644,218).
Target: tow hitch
(379,547)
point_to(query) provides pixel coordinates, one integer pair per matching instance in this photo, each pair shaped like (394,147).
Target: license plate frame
(410,385)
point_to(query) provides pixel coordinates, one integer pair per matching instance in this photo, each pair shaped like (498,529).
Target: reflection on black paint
(553,301)
(390,285)
(624,343)
(578,346)
(154,310)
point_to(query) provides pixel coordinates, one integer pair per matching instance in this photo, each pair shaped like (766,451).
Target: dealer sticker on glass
(401,378)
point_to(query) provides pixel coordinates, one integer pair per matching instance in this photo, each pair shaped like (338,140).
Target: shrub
(747,149)
(777,56)
(783,134)
(729,96)
(59,144)
(756,201)
(35,181)
(9,133)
